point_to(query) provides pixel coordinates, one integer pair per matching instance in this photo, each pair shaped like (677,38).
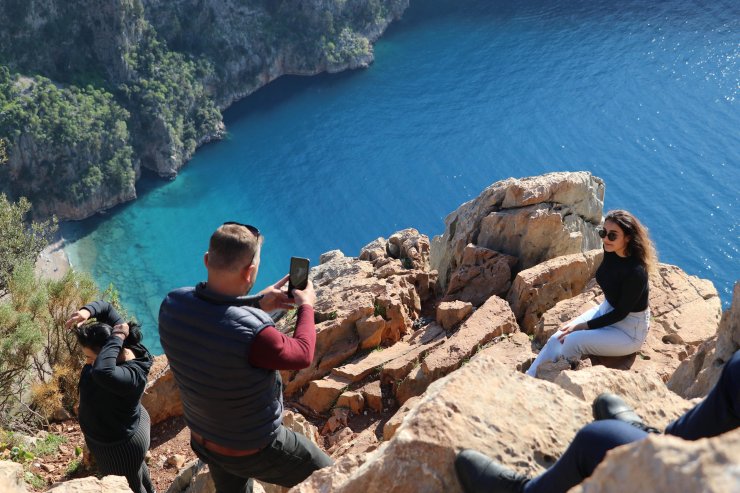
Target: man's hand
(306,296)
(78,318)
(569,328)
(275,298)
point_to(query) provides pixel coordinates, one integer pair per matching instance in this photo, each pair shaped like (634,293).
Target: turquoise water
(462,94)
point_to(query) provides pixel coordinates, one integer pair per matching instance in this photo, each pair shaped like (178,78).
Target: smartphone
(298,274)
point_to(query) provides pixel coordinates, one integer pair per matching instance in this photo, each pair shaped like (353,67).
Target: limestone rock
(11,477)
(666,464)
(696,375)
(685,310)
(161,397)
(451,313)
(481,274)
(354,401)
(330,255)
(513,350)
(298,423)
(355,443)
(644,391)
(321,394)
(411,247)
(539,288)
(109,484)
(491,320)
(390,426)
(363,303)
(373,396)
(480,407)
(533,219)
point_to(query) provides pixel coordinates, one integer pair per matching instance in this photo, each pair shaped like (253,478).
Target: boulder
(108,484)
(666,464)
(451,313)
(533,219)
(354,401)
(355,443)
(373,396)
(492,319)
(481,274)
(321,394)
(513,350)
(11,477)
(539,288)
(644,391)
(685,310)
(390,426)
(479,406)
(161,397)
(696,375)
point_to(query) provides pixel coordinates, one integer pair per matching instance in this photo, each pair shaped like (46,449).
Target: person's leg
(585,452)
(290,459)
(607,341)
(126,458)
(224,478)
(553,349)
(718,413)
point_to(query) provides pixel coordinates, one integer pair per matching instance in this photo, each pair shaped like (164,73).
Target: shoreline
(53,263)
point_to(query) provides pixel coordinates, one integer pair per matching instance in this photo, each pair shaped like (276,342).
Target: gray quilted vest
(207,339)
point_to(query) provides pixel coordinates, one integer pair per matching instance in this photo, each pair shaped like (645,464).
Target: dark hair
(94,335)
(639,245)
(232,246)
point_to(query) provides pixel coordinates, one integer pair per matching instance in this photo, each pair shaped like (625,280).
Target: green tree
(20,241)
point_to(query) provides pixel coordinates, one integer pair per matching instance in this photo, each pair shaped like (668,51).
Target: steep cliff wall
(170,65)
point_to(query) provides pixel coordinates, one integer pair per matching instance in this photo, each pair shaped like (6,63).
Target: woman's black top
(110,393)
(625,285)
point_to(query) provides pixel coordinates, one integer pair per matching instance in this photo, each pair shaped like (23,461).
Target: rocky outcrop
(481,274)
(533,219)
(11,477)
(452,414)
(697,375)
(685,310)
(365,303)
(666,464)
(539,288)
(491,320)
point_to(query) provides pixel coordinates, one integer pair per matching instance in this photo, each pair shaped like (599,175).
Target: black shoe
(610,406)
(479,474)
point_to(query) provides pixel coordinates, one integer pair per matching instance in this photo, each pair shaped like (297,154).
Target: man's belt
(220,449)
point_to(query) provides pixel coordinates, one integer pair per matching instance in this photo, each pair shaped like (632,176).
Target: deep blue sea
(462,93)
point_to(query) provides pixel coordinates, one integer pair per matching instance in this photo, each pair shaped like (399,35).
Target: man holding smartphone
(225,353)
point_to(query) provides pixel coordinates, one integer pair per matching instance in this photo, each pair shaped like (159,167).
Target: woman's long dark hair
(94,335)
(640,246)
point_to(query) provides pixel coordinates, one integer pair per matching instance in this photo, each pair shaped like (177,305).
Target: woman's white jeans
(623,338)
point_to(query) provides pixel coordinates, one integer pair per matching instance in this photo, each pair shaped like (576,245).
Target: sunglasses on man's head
(612,235)
(252,229)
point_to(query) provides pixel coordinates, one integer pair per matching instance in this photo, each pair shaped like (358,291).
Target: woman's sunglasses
(252,229)
(612,235)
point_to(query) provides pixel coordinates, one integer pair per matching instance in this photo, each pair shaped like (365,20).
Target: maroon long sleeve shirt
(274,350)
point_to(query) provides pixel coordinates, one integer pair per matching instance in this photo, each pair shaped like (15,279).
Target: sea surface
(463,93)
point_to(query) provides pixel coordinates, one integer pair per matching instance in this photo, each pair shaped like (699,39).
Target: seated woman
(115,425)
(619,325)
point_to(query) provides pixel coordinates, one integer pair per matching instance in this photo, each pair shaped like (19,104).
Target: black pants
(126,458)
(287,461)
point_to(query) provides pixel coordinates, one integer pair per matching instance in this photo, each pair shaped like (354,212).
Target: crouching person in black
(115,424)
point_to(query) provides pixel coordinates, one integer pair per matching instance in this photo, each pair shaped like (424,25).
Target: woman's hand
(78,318)
(121,331)
(570,327)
